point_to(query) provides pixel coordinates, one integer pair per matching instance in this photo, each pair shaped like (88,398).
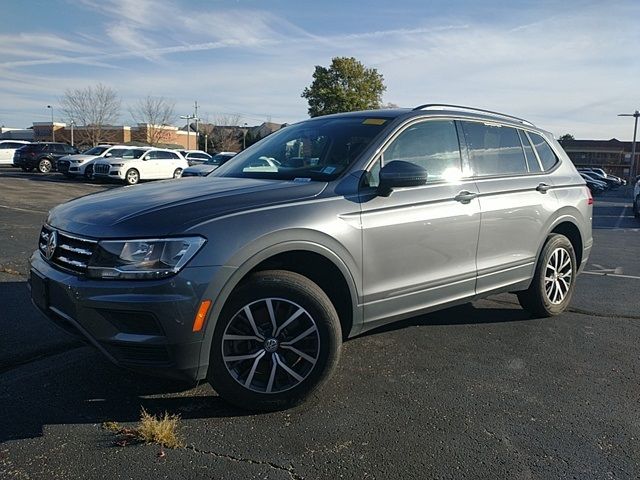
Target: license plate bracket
(39,290)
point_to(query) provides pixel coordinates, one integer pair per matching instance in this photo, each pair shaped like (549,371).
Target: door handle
(543,187)
(465,196)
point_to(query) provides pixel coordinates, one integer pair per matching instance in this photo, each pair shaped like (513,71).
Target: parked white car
(195,157)
(82,164)
(141,164)
(8,149)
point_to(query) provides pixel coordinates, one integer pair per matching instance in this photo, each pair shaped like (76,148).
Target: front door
(419,243)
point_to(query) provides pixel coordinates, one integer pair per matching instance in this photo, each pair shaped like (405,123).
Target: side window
(532,160)
(172,156)
(545,153)
(69,149)
(494,149)
(4,146)
(433,145)
(151,155)
(57,148)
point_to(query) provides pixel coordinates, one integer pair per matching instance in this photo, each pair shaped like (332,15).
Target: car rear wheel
(277,341)
(554,279)
(132,176)
(44,165)
(177,173)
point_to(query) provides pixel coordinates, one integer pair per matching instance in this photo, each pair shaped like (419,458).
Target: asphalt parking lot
(479,391)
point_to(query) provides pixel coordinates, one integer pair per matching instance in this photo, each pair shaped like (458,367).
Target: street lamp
(72,125)
(632,172)
(53,130)
(187,118)
(244,137)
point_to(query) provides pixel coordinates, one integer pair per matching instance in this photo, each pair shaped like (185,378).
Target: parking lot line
(605,274)
(22,209)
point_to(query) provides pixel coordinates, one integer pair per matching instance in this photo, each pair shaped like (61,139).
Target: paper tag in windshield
(374,121)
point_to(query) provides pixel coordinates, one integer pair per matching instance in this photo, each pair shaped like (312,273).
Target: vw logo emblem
(271,345)
(52,243)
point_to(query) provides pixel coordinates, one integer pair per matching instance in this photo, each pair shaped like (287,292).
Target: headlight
(142,259)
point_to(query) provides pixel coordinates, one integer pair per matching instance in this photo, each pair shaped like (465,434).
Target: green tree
(346,86)
(566,137)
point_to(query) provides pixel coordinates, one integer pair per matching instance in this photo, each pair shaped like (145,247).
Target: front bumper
(143,325)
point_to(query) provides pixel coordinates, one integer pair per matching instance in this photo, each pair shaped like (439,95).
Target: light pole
(632,171)
(187,118)
(53,130)
(72,124)
(244,137)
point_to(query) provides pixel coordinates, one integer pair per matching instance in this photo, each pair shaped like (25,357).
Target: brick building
(612,155)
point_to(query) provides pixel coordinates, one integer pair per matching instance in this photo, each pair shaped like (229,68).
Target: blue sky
(569,66)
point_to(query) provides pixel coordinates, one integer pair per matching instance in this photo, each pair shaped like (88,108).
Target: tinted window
(433,145)
(5,146)
(494,150)
(69,149)
(547,157)
(532,161)
(58,148)
(118,152)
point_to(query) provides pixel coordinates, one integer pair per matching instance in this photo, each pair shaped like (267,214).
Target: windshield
(318,149)
(95,151)
(133,153)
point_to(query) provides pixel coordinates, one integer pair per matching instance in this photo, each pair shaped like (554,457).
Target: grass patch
(162,429)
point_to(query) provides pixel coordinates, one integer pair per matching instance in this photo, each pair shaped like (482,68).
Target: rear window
(545,153)
(494,149)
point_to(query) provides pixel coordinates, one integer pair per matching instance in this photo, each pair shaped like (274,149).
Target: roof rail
(462,107)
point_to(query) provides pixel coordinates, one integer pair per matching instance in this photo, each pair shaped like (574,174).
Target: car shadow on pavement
(50,378)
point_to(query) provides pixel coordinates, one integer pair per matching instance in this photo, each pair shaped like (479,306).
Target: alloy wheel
(558,276)
(271,345)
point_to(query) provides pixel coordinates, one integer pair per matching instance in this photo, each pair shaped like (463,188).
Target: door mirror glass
(107,155)
(398,173)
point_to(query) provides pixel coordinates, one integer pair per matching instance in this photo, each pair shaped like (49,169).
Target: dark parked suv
(252,276)
(41,156)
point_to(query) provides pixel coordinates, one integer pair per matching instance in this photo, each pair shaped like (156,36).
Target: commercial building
(612,155)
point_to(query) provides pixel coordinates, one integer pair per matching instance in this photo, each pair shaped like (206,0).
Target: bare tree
(93,108)
(223,133)
(156,113)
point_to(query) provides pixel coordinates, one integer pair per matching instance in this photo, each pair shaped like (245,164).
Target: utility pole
(632,171)
(197,130)
(244,137)
(53,128)
(72,124)
(187,118)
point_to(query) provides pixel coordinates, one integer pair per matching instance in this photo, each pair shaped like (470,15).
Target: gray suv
(252,277)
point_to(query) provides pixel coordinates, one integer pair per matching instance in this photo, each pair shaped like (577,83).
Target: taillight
(589,196)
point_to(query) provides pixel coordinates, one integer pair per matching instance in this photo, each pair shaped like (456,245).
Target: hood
(79,157)
(172,206)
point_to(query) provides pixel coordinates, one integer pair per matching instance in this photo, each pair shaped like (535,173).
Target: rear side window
(532,161)
(494,150)
(545,153)
(433,145)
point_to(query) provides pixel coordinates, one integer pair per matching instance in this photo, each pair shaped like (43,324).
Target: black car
(204,169)
(41,156)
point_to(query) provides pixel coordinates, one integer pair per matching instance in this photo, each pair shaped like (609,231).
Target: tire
(302,314)
(45,165)
(132,176)
(88,172)
(636,207)
(548,294)
(177,173)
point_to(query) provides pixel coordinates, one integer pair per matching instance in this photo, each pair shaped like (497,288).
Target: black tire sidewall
(308,295)
(553,242)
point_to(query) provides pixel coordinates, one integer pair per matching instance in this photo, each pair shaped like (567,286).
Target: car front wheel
(554,279)
(177,173)
(88,172)
(277,341)
(132,176)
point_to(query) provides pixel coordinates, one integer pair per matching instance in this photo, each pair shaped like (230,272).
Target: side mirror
(399,173)
(108,155)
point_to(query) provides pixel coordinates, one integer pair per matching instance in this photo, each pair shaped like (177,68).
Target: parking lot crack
(288,469)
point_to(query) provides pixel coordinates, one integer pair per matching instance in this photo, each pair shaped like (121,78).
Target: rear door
(419,243)
(515,200)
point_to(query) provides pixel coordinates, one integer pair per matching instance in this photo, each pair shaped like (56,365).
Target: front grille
(101,168)
(63,166)
(68,251)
